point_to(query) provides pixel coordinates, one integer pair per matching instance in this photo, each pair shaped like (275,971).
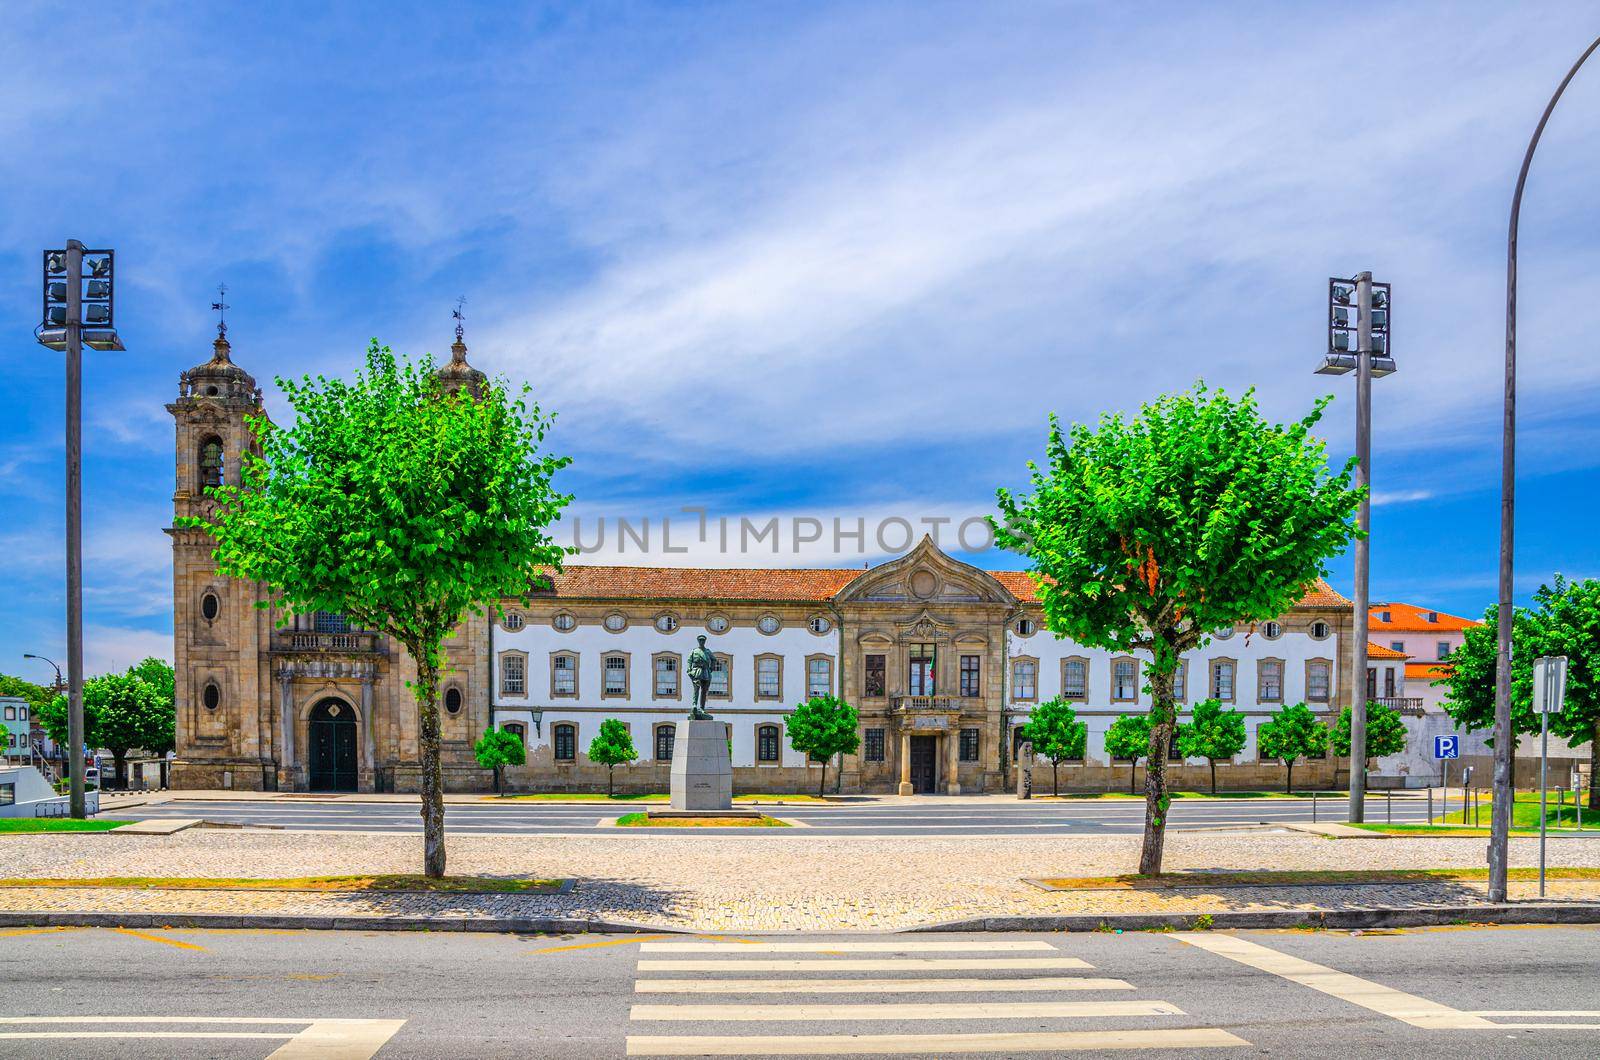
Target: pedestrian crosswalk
(1001,969)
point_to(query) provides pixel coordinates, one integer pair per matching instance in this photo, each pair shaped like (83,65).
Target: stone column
(366,728)
(952,761)
(905,763)
(286,763)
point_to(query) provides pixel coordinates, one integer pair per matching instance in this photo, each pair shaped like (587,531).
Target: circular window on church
(211,697)
(923,584)
(452,701)
(210,607)
(211,391)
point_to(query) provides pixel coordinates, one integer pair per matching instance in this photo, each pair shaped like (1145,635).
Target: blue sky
(806,260)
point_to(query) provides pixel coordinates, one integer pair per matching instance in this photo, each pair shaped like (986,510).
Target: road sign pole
(1544,758)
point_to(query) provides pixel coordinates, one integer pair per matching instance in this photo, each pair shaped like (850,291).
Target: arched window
(211,462)
(767,743)
(565,739)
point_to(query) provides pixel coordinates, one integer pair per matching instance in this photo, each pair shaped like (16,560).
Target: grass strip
(644,820)
(556,796)
(404,882)
(28,825)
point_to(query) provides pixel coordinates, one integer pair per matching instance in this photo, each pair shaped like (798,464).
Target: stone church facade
(943,661)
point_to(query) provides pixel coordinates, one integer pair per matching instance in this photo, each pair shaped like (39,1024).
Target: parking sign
(1446,747)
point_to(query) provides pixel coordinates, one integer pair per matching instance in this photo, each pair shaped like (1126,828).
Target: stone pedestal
(702,772)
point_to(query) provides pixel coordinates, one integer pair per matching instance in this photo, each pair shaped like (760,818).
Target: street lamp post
(1372,357)
(72,299)
(1500,813)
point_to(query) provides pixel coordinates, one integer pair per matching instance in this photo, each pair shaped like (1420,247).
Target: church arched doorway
(333,746)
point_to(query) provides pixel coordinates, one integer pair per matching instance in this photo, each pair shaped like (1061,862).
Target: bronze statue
(701,663)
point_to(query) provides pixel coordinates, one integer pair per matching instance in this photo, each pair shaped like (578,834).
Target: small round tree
(120,712)
(497,748)
(1057,736)
(821,727)
(1386,733)
(612,746)
(1212,733)
(1129,737)
(1293,733)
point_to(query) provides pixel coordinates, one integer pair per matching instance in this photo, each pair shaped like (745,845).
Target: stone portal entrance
(924,764)
(333,746)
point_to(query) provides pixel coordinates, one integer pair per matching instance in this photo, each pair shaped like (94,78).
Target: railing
(344,643)
(1405,705)
(925,703)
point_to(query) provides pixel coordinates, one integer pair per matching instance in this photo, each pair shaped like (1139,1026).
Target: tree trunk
(1133,777)
(823,783)
(1164,715)
(117,781)
(1594,766)
(432,780)
(497,780)
(1213,762)
(611,781)
(1055,778)
(1288,777)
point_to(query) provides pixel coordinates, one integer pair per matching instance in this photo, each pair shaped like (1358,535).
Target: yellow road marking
(954,946)
(157,938)
(933,1010)
(1387,1001)
(594,945)
(36,931)
(927,1044)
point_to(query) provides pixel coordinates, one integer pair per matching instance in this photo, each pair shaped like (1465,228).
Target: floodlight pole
(1500,812)
(75,526)
(1358,654)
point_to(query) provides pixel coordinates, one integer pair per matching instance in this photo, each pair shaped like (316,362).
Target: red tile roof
(1378,651)
(1428,670)
(585,581)
(1409,618)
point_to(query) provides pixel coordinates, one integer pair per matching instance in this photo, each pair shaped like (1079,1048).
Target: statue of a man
(701,663)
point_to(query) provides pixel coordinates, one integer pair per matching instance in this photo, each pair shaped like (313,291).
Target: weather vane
(222,307)
(461,317)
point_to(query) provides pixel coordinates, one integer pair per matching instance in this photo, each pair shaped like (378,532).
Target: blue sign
(1446,747)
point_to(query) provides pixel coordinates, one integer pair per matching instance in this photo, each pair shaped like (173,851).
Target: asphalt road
(1470,992)
(977,817)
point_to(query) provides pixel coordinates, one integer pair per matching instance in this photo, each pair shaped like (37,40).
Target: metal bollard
(1388,805)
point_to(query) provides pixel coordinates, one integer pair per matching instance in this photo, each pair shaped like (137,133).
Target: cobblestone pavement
(733,884)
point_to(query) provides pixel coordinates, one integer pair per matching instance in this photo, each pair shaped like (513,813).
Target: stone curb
(494,925)
(1334,919)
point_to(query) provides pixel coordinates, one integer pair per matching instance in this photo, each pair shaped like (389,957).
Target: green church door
(333,747)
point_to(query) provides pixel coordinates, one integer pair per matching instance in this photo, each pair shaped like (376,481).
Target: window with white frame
(565,622)
(769,624)
(1318,673)
(616,675)
(1269,681)
(1320,630)
(1272,630)
(564,675)
(1222,680)
(767,748)
(1180,683)
(720,667)
(666,623)
(514,675)
(1442,649)
(1024,679)
(717,623)
(769,677)
(819,677)
(666,671)
(1124,680)
(1075,679)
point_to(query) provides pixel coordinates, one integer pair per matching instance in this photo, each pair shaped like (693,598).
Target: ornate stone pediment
(926,575)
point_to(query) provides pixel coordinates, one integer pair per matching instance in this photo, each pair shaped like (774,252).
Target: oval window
(512,621)
(769,624)
(667,623)
(1272,631)
(565,622)
(210,607)
(820,624)
(717,623)
(452,701)
(616,622)
(211,697)
(1025,627)
(1224,633)
(1319,630)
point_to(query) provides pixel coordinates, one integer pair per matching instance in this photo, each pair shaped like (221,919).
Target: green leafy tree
(821,727)
(1386,732)
(1146,533)
(402,503)
(1212,733)
(612,746)
(496,749)
(1292,733)
(1564,620)
(1057,736)
(1129,738)
(158,675)
(121,712)
(36,695)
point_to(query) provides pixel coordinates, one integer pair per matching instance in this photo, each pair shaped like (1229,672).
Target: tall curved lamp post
(1500,819)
